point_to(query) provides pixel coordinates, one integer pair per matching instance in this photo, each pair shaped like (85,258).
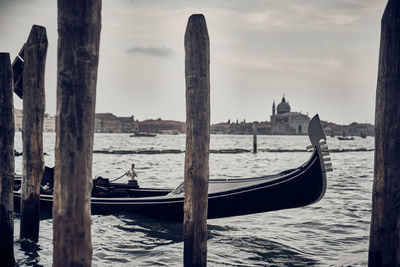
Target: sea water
(332,232)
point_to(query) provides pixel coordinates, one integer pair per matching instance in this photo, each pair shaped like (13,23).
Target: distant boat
(142,135)
(344,138)
(171,132)
(226,197)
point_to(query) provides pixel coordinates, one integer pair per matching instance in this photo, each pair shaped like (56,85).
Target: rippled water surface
(332,232)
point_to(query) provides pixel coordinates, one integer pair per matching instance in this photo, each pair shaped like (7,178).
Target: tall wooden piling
(6,162)
(197,72)
(254,138)
(32,131)
(384,246)
(79,25)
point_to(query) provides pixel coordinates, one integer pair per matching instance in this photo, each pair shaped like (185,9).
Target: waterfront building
(284,121)
(221,128)
(106,123)
(353,129)
(161,126)
(49,123)
(18,119)
(126,124)
(109,123)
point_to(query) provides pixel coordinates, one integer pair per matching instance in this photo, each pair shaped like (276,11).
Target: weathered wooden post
(197,72)
(32,131)
(6,161)
(254,138)
(79,25)
(384,246)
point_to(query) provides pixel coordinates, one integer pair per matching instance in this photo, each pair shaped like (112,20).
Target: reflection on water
(332,232)
(30,250)
(256,252)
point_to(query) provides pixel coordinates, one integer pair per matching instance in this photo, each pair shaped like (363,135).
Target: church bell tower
(273,108)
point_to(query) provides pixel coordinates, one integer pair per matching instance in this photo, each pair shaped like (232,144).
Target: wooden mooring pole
(6,162)
(32,131)
(254,138)
(384,246)
(197,72)
(79,25)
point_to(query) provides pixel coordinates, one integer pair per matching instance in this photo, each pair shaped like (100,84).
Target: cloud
(284,64)
(162,52)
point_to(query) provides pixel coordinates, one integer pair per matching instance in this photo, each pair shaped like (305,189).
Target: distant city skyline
(282,122)
(323,55)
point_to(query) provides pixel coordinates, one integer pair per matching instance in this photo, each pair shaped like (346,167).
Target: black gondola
(226,197)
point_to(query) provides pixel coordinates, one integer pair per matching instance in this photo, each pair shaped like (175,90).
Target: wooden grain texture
(32,131)
(79,25)
(6,162)
(384,247)
(197,72)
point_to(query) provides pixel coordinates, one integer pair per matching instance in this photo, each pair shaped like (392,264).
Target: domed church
(283,107)
(284,121)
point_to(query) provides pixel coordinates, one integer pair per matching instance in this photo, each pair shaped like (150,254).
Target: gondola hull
(227,197)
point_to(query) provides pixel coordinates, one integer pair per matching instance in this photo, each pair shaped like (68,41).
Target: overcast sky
(322,54)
